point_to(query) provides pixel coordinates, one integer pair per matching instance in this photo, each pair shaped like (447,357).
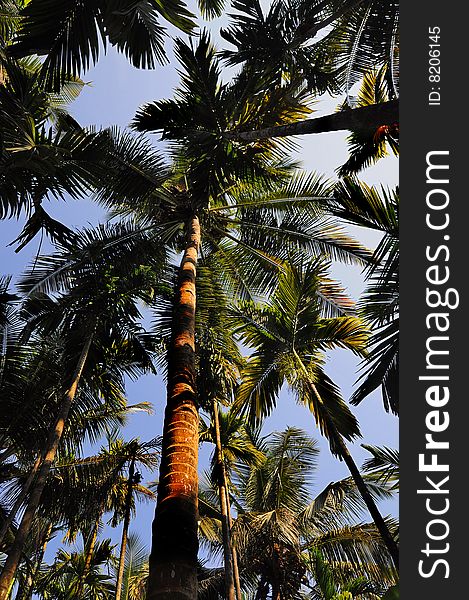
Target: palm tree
(139,452)
(97,308)
(280,528)
(43,532)
(279,46)
(64,577)
(31,392)
(218,363)
(233,444)
(135,569)
(71,38)
(289,338)
(206,203)
(80,491)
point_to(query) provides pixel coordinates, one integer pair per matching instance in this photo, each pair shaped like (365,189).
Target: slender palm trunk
(173,559)
(222,492)
(125,529)
(27,592)
(370,503)
(89,554)
(355,472)
(365,117)
(13,559)
(19,501)
(234,552)
(364,492)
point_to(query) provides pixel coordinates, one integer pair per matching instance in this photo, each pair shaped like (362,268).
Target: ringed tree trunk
(173,559)
(225,523)
(125,529)
(14,556)
(365,117)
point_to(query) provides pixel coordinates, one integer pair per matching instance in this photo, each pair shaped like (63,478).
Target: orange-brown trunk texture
(173,560)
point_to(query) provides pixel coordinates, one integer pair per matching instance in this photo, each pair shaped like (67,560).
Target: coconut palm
(63,578)
(280,46)
(135,573)
(43,532)
(31,393)
(211,209)
(96,309)
(71,38)
(289,337)
(233,444)
(218,363)
(280,528)
(139,454)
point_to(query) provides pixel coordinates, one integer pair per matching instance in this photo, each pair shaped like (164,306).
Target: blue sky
(114,93)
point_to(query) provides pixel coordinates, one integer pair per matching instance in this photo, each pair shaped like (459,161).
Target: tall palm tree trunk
(225,524)
(13,559)
(234,552)
(89,554)
(361,486)
(365,117)
(19,501)
(125,529)
(173,559)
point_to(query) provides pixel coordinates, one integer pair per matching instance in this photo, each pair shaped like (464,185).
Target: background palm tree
(62,580)
(279,528)
(289,337)
(280,46)
(71,38)
(97,308)
(140,454)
